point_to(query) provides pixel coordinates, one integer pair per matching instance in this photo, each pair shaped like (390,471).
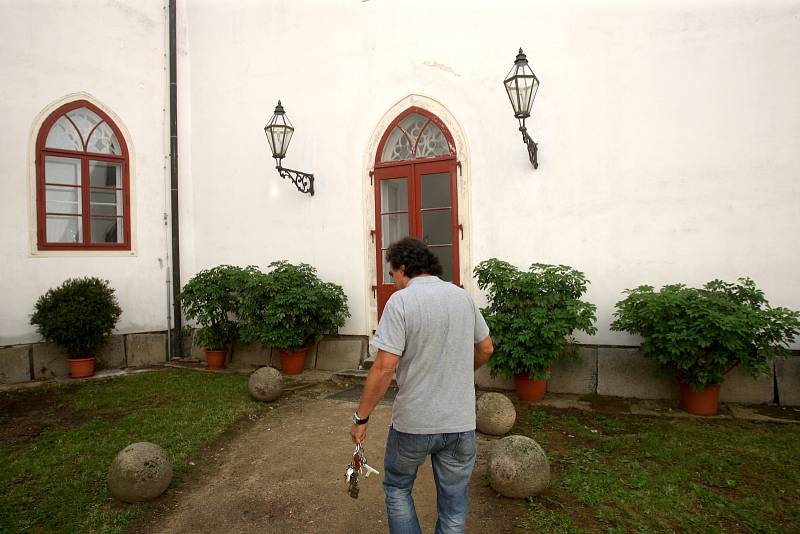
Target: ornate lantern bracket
(302,180)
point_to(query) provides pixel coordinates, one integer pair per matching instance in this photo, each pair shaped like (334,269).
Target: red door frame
(413,170)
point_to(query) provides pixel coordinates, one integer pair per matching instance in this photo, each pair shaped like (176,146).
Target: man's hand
(359,433)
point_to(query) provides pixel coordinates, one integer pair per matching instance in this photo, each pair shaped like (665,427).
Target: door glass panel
(393,227)
(106,230)
(445,255)
(103,174)
(436,227)
(387,278)
(64,229)
(63,199)
(394,195)
(62,170)
(397,147)
(436,190)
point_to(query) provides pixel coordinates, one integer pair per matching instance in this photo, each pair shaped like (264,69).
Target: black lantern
(279,133)
(521,85)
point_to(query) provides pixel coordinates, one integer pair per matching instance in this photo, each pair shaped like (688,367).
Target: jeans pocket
(466,448)
(413,447)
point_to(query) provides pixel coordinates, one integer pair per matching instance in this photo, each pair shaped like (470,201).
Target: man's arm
(378,381)
(483,351)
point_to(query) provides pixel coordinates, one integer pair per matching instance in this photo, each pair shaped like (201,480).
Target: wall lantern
(279,133)
(521,85)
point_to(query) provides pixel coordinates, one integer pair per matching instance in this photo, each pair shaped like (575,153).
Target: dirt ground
(284,473)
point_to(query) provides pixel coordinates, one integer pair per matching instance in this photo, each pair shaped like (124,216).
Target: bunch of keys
(357,467)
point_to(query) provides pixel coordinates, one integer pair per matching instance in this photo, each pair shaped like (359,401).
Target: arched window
(82,181)
(416,193)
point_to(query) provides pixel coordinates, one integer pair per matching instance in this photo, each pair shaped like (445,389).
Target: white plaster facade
(669,138)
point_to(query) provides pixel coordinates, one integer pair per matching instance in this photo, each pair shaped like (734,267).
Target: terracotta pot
(215,359)
(81,367)
(529,389)
(705,402)
(293,362)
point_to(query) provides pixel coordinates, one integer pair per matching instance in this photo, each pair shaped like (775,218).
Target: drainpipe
(173,153)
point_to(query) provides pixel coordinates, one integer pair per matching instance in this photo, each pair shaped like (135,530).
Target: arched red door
(416,193)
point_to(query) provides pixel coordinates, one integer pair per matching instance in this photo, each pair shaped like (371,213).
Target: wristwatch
(358,421)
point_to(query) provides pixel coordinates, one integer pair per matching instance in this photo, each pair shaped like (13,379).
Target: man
(434,337)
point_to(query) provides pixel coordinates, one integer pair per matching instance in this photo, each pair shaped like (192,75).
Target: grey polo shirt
(433,326)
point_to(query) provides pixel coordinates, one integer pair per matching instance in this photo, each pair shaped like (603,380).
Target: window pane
(106,230)
(387,278)
(436,227)
(432,143)
(104,141)
(62,170)
(436,190)
(63,135)
(393,227)
(445,255)
(64,229)
(105,202)
(103,174)
(394,195)
(397,147)
(413,125)
(85,119)
(63,199)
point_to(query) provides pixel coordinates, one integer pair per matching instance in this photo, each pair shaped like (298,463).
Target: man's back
(436,321)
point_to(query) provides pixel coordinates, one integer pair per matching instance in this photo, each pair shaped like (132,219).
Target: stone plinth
(146,349)
(112,355)
(49,361)
(337,353)
(578,377)
(484,380)
(15,364)
(787,374)
(249,356)
(738,386)
(624,372)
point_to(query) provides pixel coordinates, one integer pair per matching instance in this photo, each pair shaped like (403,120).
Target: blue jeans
(452,457)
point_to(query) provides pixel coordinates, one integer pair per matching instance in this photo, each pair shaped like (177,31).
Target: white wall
(114,53)
(668,134)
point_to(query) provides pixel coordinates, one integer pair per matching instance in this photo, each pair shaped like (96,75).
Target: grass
(56,482)
(636,474)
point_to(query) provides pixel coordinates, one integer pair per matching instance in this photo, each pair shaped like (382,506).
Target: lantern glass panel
(521,85)
(279,134)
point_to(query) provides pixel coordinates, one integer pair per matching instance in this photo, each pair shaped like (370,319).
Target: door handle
(461,229)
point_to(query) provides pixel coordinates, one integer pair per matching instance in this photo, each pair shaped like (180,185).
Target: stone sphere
(495,414)
(140,472)
(266,384)
(518,467)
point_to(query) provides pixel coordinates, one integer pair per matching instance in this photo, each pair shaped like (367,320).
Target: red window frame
(84,157)
(413,170)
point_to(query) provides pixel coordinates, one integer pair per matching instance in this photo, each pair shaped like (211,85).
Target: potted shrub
(532,316)
(78,316)
(701,334)
(290,308)
(211,298)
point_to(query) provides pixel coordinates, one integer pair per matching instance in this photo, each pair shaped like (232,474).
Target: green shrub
(78,316)
(211,297)
(532,315)
(702,334)
(290,307)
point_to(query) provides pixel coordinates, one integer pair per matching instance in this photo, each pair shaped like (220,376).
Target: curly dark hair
(415,255)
